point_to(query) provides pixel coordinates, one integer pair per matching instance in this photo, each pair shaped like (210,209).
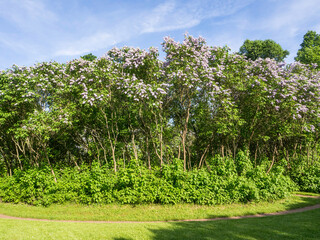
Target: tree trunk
(189,158)
(46,154)
(255,156)
(75,162)
(184,137)
(112,144)
(222,151)
(203,155)
(273,158)
(148,153)
(134,147)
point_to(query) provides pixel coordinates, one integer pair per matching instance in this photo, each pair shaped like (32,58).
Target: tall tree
(263,49)
(310,49)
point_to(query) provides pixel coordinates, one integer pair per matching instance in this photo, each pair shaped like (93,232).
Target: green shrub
(307,177)
(228,181)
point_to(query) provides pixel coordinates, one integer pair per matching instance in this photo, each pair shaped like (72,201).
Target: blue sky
(34,31)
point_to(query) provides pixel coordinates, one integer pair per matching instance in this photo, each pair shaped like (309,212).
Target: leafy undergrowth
(307,177)
(229,181)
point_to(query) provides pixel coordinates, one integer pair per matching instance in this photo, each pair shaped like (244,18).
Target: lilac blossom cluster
(188,65)
(191,70)
(129,57)
(200,97)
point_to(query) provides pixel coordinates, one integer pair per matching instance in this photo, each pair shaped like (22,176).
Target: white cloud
(173,15)
(25,26)
(26,14)
(282,21)
(167,16)
(290,17)
(46,30)
(86,44)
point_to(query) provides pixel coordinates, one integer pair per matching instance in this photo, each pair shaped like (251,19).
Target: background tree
(263,49)
(310,49)
(89,57)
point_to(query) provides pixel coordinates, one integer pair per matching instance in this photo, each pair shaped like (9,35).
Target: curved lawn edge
(308,196)
(290,211)
(298,210)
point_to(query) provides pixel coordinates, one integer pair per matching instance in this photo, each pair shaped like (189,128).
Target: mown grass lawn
(305,225)
(150,212)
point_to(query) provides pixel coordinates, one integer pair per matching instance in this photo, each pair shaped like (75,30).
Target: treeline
(199,102)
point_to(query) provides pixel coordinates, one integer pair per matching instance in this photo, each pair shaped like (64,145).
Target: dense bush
(307,177)
(136,184)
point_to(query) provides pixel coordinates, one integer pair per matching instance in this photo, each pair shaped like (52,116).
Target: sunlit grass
(308,194)
(292,226)
(154,212)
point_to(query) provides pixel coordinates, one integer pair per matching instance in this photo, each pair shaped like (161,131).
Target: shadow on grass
(287,206)
(292,226)
(305,202)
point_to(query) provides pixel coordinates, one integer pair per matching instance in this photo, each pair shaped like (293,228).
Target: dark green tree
(310,49)
(89,57)
(263,49)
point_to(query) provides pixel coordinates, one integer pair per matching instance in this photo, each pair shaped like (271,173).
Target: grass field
(305,225)
(292,226)
(150,212)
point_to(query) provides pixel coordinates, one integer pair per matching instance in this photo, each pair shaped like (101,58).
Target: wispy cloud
(283,21)
(41,30)
(26,14)
(291,16)
(173,15)
(166,16)
(86,44)
(25,26)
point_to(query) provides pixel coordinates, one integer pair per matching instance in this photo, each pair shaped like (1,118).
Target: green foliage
(309,53)
(89,57)
(199,102)
(307,177)
(137,185)
(263,49)
(147,127)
